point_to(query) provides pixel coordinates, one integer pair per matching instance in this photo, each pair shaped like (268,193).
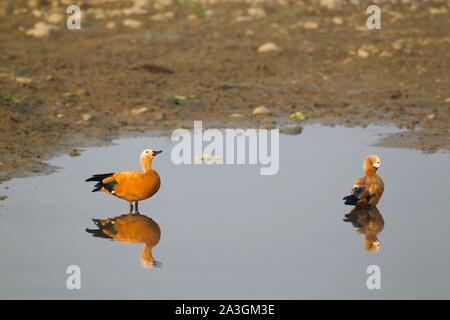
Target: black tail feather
(99,178)
(98,233)
(351,200)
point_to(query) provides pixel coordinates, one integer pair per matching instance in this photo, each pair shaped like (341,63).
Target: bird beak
(376,168)
(154,153)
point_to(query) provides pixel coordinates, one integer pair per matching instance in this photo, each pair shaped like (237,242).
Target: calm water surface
(228,232)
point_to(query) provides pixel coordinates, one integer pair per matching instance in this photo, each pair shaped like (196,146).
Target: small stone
(74,153)
(329,4)
(257,12)
(396,94)
(86,117)
(434,11)
(138,111)
(40,30)
(261,111)
(59,115)
(162,16)
(55,17)
(158,116)
(192,17)
(110,25)
(268,47)
(291,130)
(82,93)
(3,198)
(36,3)
(431,116)
(310,25)
(397,44)
(447,100)
(243,18)
(133,24)
(37,13)
(363,53)
(337,20)
(24,80)
(236,115)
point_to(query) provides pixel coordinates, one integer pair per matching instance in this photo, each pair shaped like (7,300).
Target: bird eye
(146,151)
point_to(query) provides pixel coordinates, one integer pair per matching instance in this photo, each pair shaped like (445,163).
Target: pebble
(291,130)
(191,17)
(434,11)
(110,25)
(397,44)
(138,111)
(310,25)
(24,80)
(40,30)
(362,53)
(257,12)
(337,20)
(133,24)
(86,117)
(268,47)
(158,115)
(55,17)
(2,198)
(162,16)
(236,115)
(74,153)
(261,111)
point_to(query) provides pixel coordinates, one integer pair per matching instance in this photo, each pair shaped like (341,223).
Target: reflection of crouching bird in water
(367,221)
(129,228)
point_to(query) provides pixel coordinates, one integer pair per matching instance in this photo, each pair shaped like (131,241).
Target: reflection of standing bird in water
(369,222)
(130,228)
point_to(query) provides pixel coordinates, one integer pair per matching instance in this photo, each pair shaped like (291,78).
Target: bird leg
(131,208)
(136,210)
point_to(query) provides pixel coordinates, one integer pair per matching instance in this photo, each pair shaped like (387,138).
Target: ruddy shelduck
(128,228)
(369,222)
(132,186)
(367,191)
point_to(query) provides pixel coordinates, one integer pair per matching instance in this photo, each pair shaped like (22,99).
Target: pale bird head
(372,161)
(147,156)
(372,245)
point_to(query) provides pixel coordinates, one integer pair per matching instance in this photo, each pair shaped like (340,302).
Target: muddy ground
(137,66)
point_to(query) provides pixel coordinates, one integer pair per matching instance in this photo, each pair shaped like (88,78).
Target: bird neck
(146,256)
(146,165)
(369,170)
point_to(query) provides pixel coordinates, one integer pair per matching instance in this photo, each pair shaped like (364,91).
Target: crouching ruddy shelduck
(367,191)
(132,186)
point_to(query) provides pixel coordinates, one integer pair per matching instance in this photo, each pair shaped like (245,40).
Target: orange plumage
(127,228)
(132,186)
(369,222)
(367,191)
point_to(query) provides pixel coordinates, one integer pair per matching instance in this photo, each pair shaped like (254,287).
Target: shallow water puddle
(228,232)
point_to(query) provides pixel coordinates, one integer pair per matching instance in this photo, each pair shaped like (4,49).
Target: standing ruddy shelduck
(367,191)
(132,186)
